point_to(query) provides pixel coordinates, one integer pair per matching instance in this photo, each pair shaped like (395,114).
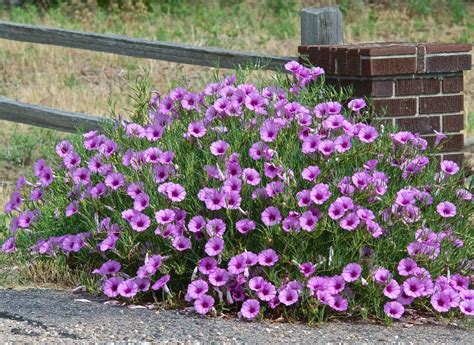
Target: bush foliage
(278,200)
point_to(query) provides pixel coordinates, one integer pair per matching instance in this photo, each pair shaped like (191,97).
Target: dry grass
(83,81)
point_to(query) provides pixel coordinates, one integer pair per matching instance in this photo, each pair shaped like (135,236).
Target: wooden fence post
(321,25)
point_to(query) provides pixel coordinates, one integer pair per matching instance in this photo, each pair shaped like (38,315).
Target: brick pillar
(418,86)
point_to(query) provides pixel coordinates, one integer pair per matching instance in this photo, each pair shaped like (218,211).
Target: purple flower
(196,224)
(165,216)
(207,265)
(446,209)
(219,148)
(128,288)
(244,226)
(336,210)
(267,292)
(114,181)
(203,304)
(250,309)
(326,147)
(320,193)
(141,202)
(381,275)
(393,310)
(161,282)
(139,222)
(267,257)
(269,131)
(175,192)
(288,296)
(342,143)
(449,167)
(256,283)
(467,307)
(368,134)
(237,264)
(182,243)
(197,288)
(308,221)
(310,173)
(441,301)
(407,267)
(271,216)
(108,268)
(214,246)
(392,290)
(439,138)
(218,277)
(356,104)
(413,287)
(197,129)
(9,245)
(110,287)
(307,269)
(351,272)
(339,303)
(251,176)
(63,148)
(350,222)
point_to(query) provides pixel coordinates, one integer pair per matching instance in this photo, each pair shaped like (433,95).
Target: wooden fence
(318,26)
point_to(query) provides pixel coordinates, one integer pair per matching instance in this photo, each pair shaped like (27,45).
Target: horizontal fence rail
(46,117)
(156,50)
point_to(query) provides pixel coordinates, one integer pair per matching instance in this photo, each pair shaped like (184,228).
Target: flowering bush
(283,200)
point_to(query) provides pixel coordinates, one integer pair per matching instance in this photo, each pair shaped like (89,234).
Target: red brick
(406,87)
(454,142)
(388,49)
(453,84)
(353,62)
(422,125)
(341,62)
(450,63)
(432,48)
(395,107)
(303,49)
(420,60)
(368,87)
(441,104)
(388,66)
(453,123)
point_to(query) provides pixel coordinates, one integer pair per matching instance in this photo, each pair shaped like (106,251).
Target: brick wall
(419,87)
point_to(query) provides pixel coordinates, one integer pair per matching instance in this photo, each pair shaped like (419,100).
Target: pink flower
(320,193)
(392,290)
(351,272)
(288,296)
(271,216)
(310,173)
(467,307)
(197,129)
(446,209)
(449,167)
(165,216)
(307,269)
(203,304)
(182,243)
(128,288)
(219,148)
(250,309)
(214,246)
(267,257)
(368,134)
(394,310)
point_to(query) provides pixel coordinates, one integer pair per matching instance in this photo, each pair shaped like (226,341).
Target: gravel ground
(41,315)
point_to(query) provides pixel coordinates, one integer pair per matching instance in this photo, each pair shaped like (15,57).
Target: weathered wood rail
(321,26)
